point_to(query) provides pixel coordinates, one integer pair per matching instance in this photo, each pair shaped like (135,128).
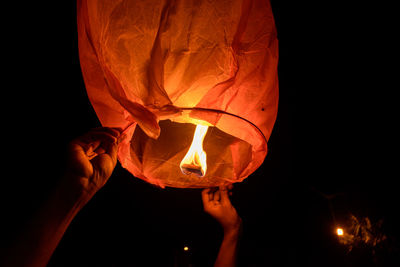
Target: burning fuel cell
(195,160)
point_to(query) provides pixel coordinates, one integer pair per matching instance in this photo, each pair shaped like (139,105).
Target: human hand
(91,159)
(216,203)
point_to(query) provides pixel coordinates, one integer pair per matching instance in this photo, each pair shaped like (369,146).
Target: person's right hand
(92,158)
(217,204)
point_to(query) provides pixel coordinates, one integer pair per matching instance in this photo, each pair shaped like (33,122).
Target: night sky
(330,152)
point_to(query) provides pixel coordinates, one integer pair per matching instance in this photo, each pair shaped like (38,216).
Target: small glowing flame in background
(361,233)
(195,160)
(339,231)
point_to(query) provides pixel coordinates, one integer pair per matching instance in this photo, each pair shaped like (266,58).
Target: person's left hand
(92,158)
(216,203)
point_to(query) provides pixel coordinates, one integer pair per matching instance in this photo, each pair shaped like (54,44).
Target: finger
(79,148)
(112,150)
(88,150)
(217,195)
(212,193)
(83,147)
(90,153)
(100,149)
(224,194)
(230,187)
(204,195)
(99,141)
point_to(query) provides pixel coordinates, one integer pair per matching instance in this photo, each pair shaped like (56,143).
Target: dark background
(334,136)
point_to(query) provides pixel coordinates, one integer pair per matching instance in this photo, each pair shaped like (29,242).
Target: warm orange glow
(195,160)
(186,248)
(156,77)
(339,231)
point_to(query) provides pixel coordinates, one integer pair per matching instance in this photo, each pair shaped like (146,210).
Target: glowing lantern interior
(173,143)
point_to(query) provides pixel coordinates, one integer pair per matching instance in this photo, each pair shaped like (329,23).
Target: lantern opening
(161,158)
(195,160)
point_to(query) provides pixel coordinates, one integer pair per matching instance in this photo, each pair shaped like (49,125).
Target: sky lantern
(193,84)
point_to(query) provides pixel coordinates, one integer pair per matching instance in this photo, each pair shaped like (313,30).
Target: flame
(195,160)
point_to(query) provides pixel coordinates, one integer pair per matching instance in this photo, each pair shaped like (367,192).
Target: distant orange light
(185,248)
(339,231)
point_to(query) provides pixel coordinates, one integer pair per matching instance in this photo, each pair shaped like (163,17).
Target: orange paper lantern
(159,68)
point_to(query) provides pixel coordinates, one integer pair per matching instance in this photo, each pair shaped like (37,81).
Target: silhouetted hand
(92,158)
(216,203)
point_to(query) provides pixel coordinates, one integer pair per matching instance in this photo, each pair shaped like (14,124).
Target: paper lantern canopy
(193,84)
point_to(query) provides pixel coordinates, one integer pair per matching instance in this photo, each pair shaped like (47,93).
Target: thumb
(224,194)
